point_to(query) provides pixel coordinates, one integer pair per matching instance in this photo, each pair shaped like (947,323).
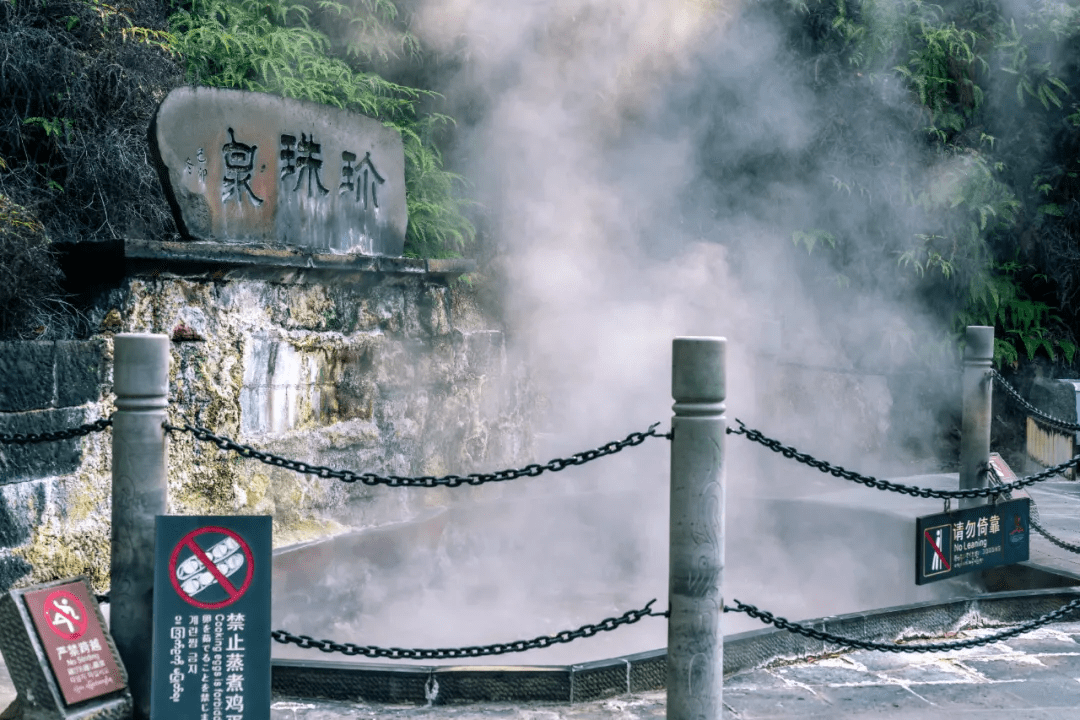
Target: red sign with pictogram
(211,567)
(74,640)
(65,615)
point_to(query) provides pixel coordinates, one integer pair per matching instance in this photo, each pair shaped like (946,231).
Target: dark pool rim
(646,671)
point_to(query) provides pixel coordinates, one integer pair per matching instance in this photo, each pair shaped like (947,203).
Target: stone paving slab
(1034,676)
(1037,676)
(1058,502)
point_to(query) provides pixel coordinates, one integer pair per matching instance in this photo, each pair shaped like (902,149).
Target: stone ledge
(646,671)
(221,261)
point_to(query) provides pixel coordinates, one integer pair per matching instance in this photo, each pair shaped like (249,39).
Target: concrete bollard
(139,493)
(977,387)
(695,647)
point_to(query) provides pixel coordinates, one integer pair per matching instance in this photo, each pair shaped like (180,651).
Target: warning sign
(65,615)
(211,650)
(936,556)
(211,567)
(978,538)
(80,653)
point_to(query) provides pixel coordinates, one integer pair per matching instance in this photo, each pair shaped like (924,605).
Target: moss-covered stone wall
(394,374)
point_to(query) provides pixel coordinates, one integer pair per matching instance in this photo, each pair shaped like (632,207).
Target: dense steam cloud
(638,163)
(645,168)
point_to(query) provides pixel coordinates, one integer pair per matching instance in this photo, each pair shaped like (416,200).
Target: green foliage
(998,299)
(1032,79)
(53,127)
(927,257)
(370,31)
(437,224)
(29,275)
(940,69)
(813,238)
(275,47)
(954,226)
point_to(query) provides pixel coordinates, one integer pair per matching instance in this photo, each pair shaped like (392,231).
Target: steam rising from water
(615,146)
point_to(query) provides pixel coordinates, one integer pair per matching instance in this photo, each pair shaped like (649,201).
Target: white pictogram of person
(935,563)
(62,606)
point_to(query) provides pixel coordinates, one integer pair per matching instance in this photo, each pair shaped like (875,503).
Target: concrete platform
(1036,675)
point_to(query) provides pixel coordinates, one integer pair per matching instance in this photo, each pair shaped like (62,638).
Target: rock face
(389,373)
(246,167)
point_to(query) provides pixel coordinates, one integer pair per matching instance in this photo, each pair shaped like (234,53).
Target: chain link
(27,438)
(565,636)
(1055,540)
(837,471)
(348,476)
(783,624)
(1032,410)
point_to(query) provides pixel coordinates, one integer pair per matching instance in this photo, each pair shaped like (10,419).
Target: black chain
(1055,540)
(783,624)
(837,471)
(1032,410)
(1034,520)
(348,476)
(25,439)
(1033,509)
(305,641)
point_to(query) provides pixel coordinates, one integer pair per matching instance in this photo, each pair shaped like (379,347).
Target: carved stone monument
(243,167)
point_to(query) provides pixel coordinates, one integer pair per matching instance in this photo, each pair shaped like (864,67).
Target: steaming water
(492,572)
(508,570)
(644,165)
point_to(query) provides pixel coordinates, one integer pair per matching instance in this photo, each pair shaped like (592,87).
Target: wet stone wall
(393,374)
(51,494)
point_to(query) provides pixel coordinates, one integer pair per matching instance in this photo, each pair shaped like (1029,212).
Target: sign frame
(972,539)
(211,626)
(30,662)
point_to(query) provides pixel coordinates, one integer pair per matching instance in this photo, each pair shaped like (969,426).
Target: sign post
(60,655)
(211,652)
(979,538)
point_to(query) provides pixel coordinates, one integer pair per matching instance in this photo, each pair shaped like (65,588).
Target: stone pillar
(139,492)
(977,389)
(695,651)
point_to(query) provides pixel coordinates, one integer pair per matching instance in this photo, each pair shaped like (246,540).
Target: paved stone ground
(1058,502)
(1035,676)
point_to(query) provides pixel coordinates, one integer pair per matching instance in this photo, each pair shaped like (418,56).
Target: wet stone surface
(1038,682)
(248,167)
(950,685)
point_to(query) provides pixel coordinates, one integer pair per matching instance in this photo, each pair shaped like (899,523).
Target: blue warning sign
(978,538)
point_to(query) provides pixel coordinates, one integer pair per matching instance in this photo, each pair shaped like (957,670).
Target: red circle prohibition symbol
(64,610)
(234,593)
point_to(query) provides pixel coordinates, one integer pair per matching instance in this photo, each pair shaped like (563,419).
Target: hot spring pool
(511,570)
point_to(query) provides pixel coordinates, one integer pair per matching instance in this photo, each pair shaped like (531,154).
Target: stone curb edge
(647,671)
